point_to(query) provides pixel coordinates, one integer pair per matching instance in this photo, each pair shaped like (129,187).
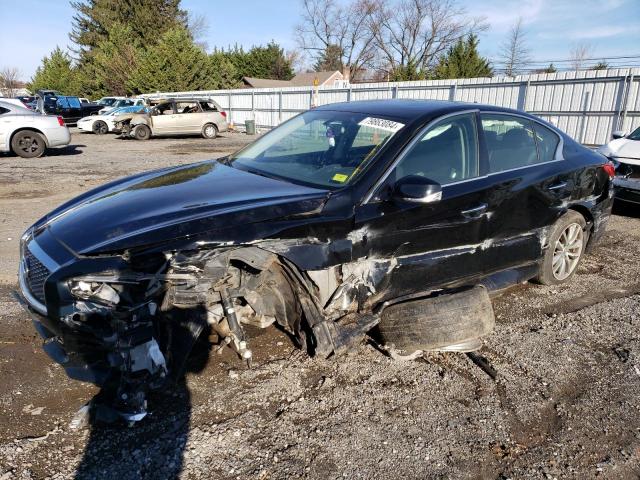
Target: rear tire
(567,243)
(209,131)
(142,132)
(100,127)
(28,144)
(447,322)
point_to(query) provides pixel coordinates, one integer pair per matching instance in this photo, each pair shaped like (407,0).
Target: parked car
(624,151)
(388,217)
(124,102)
(183,116)
(105,122)
(27,100)
(84,100)
(27,133)
(68,107)
(108,101)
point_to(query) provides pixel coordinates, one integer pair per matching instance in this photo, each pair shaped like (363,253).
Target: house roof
(300,80)
(306,79)
(265,82)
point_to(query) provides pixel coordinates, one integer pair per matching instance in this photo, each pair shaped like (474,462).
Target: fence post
(253,105)
(626,102)
(585,107)
(453,90)
(349,94)
(394,93)
(280,106)
(230,112)
(522,95)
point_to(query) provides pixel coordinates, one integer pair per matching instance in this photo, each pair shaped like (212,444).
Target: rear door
(431,244)
(530,183)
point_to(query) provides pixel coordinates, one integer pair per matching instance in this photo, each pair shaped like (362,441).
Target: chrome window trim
(413,142)
(558,157)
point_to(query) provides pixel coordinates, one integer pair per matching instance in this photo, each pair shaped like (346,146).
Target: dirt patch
(564,403)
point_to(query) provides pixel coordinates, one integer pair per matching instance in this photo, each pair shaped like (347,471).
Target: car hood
(183,202)
(622,147)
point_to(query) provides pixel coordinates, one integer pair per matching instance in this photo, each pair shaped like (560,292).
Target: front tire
(28,144)
(209,131)
(142,132)
(100,127)
(567,244)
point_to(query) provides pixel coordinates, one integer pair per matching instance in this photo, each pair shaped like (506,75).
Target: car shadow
(153,447)
(66,150)
(626,209)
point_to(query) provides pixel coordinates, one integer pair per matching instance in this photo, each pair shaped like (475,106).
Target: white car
(624,150)
(28,133)
(104,122)
(123,102)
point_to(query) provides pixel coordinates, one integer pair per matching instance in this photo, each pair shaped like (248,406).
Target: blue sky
(32,28)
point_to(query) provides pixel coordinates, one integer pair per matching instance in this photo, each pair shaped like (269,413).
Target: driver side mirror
(417,189)
(618,134)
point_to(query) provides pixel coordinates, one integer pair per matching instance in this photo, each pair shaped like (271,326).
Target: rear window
(3,110)
(547,142)
(208,107)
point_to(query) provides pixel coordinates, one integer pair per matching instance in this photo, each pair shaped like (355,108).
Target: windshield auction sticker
(381,124)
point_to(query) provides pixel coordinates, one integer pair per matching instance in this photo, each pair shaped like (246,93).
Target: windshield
(106,101)
(321,147)
(635,135)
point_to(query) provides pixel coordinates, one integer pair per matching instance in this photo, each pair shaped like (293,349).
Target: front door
(163,118)
(436,243)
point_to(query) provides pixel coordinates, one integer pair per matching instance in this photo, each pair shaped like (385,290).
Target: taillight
(223,113)
(610,168)
(61,121)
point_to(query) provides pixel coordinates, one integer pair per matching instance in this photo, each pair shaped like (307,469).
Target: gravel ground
(565,402)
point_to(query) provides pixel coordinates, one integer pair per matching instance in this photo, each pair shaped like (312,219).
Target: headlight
(98,292)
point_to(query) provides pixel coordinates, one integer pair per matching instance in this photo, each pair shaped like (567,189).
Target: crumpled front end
(128,322)
(627,182)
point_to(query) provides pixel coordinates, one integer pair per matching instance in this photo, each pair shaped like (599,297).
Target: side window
(547,142)
(446,153)
(208,107)
(187,107)
(3,110)
(510,142)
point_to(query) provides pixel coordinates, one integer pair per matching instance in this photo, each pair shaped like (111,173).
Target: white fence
(588,105)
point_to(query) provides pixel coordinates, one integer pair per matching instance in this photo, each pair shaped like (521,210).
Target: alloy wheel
(567,251)
(28,144)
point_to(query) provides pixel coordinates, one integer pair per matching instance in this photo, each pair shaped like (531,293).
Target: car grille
(37,273)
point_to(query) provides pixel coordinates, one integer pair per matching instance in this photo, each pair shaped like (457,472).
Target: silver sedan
(28,133)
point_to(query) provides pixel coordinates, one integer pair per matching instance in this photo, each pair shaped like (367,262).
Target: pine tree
(330,60)
(261,62)
(175,63)
(223,72)
(56,73)
(147,19)
(114,60)
(463,60)
(550,69)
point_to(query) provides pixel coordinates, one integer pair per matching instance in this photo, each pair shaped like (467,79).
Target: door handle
(475,211)
(557,186)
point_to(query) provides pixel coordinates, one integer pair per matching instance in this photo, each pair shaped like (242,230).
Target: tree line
(126,47)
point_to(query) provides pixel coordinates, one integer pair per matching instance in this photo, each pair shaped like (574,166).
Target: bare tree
(10,81)
(578,55)
(327,24)
(198,28)
(412,34)
(514,52)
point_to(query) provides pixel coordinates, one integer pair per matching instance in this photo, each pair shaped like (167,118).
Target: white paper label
(381,124)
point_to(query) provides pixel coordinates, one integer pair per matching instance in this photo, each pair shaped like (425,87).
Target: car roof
(410,110)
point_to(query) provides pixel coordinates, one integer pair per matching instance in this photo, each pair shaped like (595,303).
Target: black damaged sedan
(392,219)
